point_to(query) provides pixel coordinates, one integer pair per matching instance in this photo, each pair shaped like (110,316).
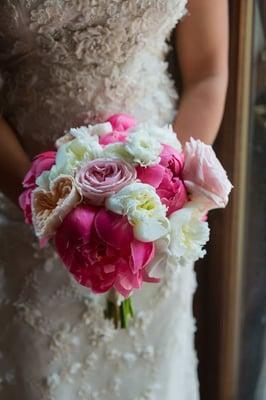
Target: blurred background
(231,300)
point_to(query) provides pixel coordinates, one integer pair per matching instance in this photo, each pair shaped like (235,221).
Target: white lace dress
(63,63)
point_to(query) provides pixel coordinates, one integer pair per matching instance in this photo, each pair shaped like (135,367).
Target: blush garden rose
(103,177)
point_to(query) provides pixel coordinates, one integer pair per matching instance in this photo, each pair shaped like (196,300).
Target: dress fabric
(65,63)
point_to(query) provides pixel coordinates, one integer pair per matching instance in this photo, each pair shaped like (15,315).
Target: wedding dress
(66,63)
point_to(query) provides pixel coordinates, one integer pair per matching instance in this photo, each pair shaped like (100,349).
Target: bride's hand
(14,162)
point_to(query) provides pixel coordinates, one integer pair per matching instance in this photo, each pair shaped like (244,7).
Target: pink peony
(121,123)
(204,175)
(101,178)
(41,162)
(25,204)
(171,159)
(99,249)
(166,178)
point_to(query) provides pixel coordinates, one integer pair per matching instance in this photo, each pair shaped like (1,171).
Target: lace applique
(87,57)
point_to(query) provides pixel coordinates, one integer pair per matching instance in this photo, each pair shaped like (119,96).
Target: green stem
(120,314)
(126,312)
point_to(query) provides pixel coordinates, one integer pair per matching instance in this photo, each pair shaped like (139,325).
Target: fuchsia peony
(42,162)
(166,178)
(204,175)
(25,204)
(102,177)
(99,249)
(121,123)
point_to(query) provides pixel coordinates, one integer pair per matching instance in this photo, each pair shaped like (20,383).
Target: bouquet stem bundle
(119,311)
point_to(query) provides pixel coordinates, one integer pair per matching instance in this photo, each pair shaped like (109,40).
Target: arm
(13,162)
(202,47)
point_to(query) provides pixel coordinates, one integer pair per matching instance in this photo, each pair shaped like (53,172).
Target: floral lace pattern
(65,62)
(88,57)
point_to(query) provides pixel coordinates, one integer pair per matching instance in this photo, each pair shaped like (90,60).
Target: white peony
(144,149)
(69,156)
(91,130)
(165,134)
(188,235)
(81,132)
(144,210)
(117,150)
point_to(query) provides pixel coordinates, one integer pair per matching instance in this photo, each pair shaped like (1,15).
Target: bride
(66,63)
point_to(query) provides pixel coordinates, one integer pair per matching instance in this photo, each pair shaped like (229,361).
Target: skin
(14,162)
(202,48)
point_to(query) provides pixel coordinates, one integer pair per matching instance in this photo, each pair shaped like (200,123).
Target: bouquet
(112,193)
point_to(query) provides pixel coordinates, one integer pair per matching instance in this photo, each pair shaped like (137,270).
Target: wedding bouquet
(112,192)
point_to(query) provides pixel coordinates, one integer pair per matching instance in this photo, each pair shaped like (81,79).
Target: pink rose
(99,250)
(101,178)
(41,162)
(121,123)
(204,175)
(166,178)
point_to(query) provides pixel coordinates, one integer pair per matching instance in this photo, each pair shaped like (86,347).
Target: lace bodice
(77,61)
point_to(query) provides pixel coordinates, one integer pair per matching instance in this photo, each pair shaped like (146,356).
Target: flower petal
(75,231)
(142,254)
(113,229)
(150,279)
(126,280)
(151,175)
(122,122)
(151,229)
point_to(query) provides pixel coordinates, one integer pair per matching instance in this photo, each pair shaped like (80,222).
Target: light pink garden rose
(121,123)
(41,162)
(99,249)
(166,178)
(101,178)
(204,175)
(49,208)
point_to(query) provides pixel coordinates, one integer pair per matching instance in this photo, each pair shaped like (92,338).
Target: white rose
(144,149)
(144,210)
(188,234)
